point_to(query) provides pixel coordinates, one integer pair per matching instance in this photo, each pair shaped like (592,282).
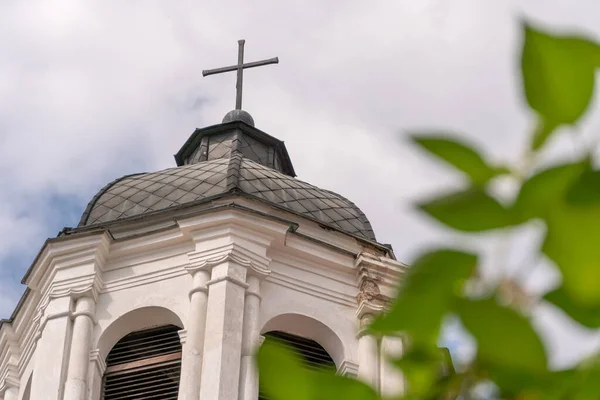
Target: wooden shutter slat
(144,365)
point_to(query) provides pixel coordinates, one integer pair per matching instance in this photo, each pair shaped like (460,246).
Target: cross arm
(207,72)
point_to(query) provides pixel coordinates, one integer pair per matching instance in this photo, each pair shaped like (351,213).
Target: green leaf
(562,198)
(461,156)
(546,385)
(336,387)
(504,337)
(585,191)
(282,375)
(425,293)
(545,190)
(558,76)
(423,369)
(542,132)
(586,381)
(589,317)
(573,243)
(469,211)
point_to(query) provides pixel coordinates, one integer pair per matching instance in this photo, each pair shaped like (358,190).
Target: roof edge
(194,141)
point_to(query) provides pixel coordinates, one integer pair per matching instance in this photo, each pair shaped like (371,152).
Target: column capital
(255,264)
(10,378)
(98,361)
(89,287)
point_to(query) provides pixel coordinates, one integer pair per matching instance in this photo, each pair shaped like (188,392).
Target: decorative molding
(258,270)
(366,313)
(381,269)
(88,314)
(144,279)
(9,377)
(232,252)
(98,361)
(368,292)
(311,289)
(47,318)
(182,336)
(348,368)
(366,308)
(90,290)
(250,292)
(228,278)
(196,289)
(372,271)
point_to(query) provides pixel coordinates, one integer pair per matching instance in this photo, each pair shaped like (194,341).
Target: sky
(91,91)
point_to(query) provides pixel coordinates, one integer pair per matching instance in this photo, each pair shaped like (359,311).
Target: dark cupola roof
(233,157)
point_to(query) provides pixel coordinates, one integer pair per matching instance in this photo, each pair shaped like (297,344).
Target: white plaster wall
(148,299)
(340,319)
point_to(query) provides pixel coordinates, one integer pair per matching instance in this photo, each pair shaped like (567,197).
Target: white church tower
(172,279)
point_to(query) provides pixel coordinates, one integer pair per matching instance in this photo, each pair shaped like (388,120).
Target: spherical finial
(238,115)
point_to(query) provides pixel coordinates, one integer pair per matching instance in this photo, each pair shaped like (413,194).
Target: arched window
(144,365)
(312,354)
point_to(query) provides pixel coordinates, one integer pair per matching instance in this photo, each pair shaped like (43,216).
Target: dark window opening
(144,365)
(312,354)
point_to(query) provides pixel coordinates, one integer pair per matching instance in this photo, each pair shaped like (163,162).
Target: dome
(239,115)
(141,194)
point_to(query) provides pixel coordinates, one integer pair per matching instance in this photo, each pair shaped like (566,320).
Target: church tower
(172,279)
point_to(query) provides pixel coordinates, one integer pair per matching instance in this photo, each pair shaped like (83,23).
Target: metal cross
(240,71)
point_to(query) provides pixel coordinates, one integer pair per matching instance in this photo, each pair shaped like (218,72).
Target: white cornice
(383,269)
(93,246)
(317,253)
(261,229)
(150,247)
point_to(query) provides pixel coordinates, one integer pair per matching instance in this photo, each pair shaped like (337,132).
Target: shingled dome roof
(229,158)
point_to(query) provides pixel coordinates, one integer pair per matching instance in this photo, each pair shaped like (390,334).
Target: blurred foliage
(558,74)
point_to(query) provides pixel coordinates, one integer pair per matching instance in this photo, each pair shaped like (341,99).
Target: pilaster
(65,319)
(251,331)
(231,322)
(377,279)
(84,320)
(193,338)
(97,366)
(371,302)
(52,350)
(224,319)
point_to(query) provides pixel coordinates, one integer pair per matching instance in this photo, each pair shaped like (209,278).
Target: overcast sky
(91,91)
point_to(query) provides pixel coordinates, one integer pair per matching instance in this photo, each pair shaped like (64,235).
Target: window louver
(144,365)
(312,354)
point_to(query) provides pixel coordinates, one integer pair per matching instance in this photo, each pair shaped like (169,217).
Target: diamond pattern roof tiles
(143,193)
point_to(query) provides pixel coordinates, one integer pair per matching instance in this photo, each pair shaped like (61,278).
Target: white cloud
(90,91)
